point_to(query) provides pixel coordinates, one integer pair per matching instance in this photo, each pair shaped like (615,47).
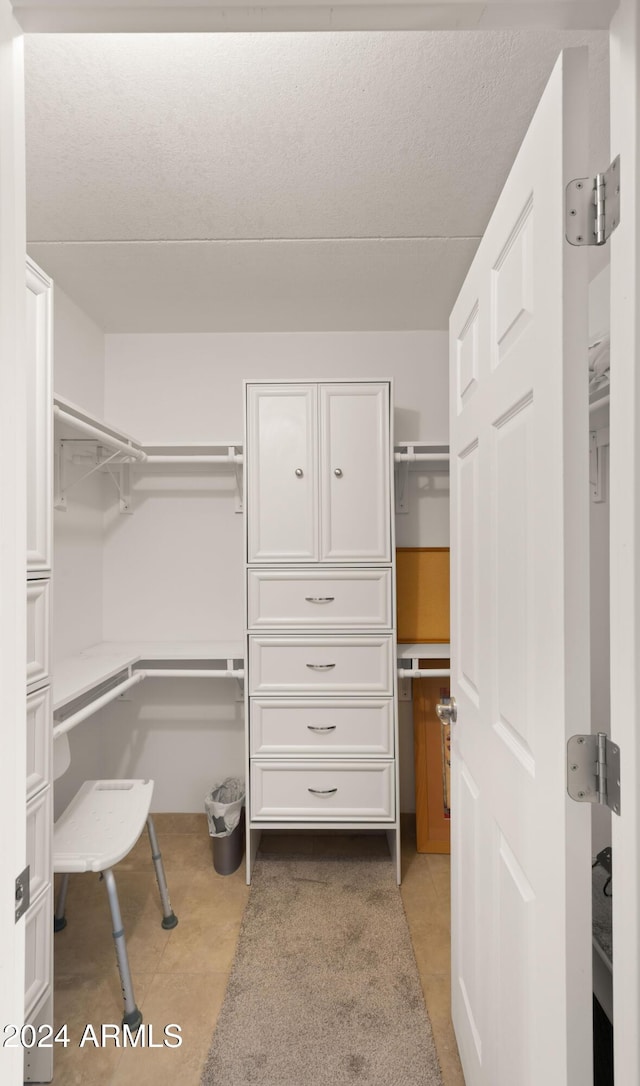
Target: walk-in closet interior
(242,254)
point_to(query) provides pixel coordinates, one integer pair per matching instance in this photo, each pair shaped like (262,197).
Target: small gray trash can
(225,815)
(228,851)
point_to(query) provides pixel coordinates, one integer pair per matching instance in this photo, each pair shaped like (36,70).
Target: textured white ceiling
(303,148)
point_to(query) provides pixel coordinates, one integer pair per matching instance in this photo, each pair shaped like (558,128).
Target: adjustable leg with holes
(132,1016)
(169,918)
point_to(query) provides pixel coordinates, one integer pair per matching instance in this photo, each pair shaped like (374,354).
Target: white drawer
(327,726)
(319,599)
(37,956)
(349,665)
(322,791)
(37,631)
(39,830)
(39,725)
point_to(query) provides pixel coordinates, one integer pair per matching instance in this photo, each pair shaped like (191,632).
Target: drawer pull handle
(322,791)
(326,728)
(319,599)
(321,667)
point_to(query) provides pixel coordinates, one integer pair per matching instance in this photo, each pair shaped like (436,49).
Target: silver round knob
(299,472)
(338,472)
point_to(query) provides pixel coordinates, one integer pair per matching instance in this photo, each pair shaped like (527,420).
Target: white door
(354,473)
(12,536)
(282,473)
(625,537)
(521,913)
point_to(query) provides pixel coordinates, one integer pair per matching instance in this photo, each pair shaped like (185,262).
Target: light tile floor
(180,976)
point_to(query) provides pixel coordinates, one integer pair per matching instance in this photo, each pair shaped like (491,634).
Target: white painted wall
(78,375)
(174,569)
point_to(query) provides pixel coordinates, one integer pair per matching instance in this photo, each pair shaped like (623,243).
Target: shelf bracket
(59,495)
(598,443)
(402,486)
(239,472)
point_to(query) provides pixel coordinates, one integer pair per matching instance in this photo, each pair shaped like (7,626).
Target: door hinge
(593,770)
(23,892)
(592,207)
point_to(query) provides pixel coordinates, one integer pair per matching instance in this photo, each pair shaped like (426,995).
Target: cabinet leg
(393,837)
(253,844)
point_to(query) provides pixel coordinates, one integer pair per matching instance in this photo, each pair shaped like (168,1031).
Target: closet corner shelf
(87,682)
(412,452)
(76,419)
(409,657)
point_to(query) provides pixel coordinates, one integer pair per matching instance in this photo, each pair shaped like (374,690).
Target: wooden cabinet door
(282,473)
(354,473)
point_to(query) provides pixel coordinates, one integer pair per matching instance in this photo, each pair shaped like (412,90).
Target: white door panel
(282,473)
(39,420)
(521,988)
(354,473)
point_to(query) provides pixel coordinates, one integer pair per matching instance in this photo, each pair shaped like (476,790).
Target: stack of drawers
(322,720)
(321,704)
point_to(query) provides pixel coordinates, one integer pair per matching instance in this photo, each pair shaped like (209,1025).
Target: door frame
(625,534)
(13,536)
(98,16)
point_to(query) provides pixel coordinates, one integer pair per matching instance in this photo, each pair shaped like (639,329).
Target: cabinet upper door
(355,473)
(282,473)
(39,401)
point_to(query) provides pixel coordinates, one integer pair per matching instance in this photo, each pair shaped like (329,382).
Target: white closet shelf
(220,452)
(409,657)
(77,676)
(420,452)
(80,421)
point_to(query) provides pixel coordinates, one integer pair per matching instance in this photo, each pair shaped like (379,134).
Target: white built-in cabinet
(322,735)
(38,1063)
(313,492)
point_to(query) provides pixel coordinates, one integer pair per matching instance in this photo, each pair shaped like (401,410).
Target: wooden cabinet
(318,473)
(320,682)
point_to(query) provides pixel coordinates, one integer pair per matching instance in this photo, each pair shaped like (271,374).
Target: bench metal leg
(59,919)
(169,918)
(132,1016)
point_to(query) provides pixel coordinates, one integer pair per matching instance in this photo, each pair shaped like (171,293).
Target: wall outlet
(404,690)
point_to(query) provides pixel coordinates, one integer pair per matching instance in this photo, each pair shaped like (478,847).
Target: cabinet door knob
(338,472)
(325,728)
(323,791)
(319,599)
(321,667)
(299,472)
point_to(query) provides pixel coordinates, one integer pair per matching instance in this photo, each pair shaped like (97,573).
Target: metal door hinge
(592,207)
(23,892)
(593,770)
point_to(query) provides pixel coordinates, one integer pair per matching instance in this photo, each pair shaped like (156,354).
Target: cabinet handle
(322,791)
(299,472)
(317,728)
(321,667)
(319,599)
(338,472)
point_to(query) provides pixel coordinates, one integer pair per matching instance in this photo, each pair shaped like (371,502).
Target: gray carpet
(324,989)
